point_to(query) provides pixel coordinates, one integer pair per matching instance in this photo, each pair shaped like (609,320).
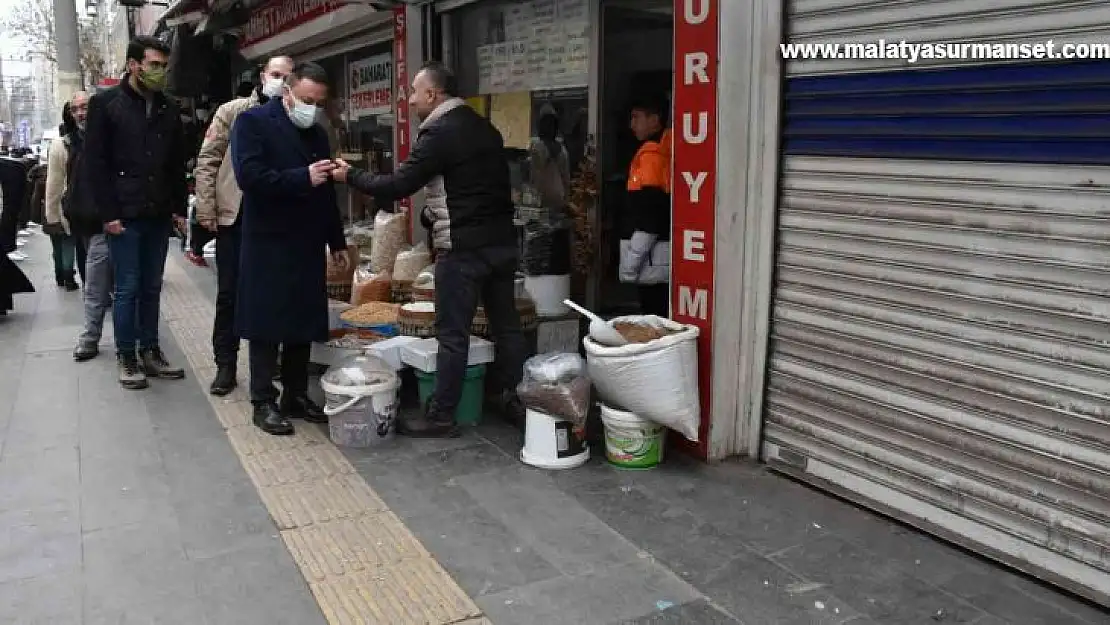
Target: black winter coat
(459,157)
(78,204)
(13,185)
(288,226)
(134,155)
(13,177)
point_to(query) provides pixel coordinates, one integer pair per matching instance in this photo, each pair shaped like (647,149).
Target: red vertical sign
(694,174)
(401,96)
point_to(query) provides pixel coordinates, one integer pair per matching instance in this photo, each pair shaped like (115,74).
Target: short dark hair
(69,123)
(307,70)
(138,46)
(442,78)
(652,104)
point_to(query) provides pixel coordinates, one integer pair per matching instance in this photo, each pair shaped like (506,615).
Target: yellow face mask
(153,79)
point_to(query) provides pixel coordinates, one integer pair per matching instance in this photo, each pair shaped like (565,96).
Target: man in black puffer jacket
(134,158)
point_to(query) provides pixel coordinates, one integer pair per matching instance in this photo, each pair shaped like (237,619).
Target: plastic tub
(551,443)
(469,410)
(360,400)
(632,442)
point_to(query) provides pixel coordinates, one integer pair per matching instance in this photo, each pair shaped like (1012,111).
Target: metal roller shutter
(941,327)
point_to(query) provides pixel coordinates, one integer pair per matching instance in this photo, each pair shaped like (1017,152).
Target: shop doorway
(637,41)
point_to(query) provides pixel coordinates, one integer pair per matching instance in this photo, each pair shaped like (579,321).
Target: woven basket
(423,294)
(526,308)
(417,323)
(401,291)
(339,291)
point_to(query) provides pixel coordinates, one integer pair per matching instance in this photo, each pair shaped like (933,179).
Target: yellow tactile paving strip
(363,565)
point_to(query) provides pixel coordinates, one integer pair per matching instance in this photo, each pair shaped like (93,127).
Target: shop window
(368,120)
(516,61)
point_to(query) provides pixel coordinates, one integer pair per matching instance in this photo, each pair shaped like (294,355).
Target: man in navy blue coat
(290,219)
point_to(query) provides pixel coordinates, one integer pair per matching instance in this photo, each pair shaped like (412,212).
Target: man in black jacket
(459,157)
(135,162)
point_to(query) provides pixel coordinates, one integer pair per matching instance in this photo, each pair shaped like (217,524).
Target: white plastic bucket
(549,292)
(632,442)
(364,416)
(551,443)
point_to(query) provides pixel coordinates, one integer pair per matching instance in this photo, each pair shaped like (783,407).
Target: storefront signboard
(535,44)
(371,86)
(694,190)
(401,98)
(278,16)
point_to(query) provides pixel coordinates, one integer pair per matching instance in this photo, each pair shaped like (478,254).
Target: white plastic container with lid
(361,401)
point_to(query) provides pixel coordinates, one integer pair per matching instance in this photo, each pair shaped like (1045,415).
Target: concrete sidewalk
(166,506)
(119,506)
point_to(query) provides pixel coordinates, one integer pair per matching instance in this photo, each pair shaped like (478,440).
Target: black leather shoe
(303,408)
(431,424)
(270,421)
(85,351)
(512,409)
(224,381)
(422,427)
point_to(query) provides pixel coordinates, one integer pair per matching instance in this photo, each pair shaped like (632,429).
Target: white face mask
(303,115)
(271,87)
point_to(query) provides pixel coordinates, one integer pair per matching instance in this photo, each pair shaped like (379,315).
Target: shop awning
(184,12)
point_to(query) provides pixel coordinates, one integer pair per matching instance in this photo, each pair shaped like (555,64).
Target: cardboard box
(389,350)
(421,354)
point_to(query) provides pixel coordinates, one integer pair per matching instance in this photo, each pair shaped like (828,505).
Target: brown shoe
(155,365)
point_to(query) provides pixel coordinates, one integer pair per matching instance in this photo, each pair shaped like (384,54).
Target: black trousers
(199,236)
(225,342)
(264,364)
(463,278)
(82,255)
(655,299)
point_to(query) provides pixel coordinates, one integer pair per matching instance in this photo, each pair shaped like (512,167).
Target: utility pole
(68,46)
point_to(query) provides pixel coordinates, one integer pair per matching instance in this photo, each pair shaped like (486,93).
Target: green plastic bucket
(632,442)
(469,410)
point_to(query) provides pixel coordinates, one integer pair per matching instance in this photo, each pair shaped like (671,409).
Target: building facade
(922,318)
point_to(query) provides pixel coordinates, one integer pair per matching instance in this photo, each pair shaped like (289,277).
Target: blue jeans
(138,261)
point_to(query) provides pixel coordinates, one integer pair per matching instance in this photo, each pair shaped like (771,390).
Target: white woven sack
(657,380)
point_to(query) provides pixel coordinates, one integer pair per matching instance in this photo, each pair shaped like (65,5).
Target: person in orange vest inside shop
(645,248)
